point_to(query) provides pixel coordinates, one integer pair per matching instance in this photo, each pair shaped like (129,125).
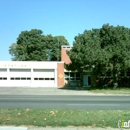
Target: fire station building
(38,73)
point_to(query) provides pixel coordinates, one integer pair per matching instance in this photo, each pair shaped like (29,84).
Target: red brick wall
(64,56)
(60,74)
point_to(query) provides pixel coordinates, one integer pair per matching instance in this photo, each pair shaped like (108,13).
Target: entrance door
(85,80)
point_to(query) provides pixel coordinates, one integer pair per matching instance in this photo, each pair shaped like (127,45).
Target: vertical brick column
(64,56)
(60,74)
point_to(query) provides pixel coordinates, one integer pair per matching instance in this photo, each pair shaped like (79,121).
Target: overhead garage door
(44,77)
(20,77)
(3,77)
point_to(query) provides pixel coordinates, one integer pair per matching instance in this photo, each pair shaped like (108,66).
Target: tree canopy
(106,49)
(34,46)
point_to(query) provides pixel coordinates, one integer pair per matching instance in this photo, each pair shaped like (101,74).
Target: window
(23,78)
(41,78)
(20,78)
(122,74)
(46,78)
(89,80)
(78,76)
(28,78)
(72,76)
(102,74)
(3,78)
(128,73)
(108,74)
(17,78)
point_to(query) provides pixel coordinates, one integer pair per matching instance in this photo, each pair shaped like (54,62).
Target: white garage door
(44,77)
(20,77)
(3,77)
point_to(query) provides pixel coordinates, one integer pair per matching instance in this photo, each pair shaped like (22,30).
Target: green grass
(57,117)
(111,91)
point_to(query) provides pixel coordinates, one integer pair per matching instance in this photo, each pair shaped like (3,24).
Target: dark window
(23,78)
(72,78)
(51,78)
(0,78)
(28,78)
(17,78)
(128,73)
(41,79)
(71,74)
(35,78)
(67,74)
(122,74)
(102,74)
(108,73)
(4,78)
(66,78)
(78,78)
(89,80)
(46,78)
(77,74)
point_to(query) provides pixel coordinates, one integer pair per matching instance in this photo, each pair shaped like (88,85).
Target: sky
(57,17)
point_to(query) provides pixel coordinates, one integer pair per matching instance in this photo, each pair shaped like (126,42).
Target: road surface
(65,101)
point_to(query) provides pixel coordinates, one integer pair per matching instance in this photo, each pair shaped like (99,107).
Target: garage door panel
(43,70)
(47,75)
(3,73)
(20,75)
(20,72)
(44,77)
(44,73)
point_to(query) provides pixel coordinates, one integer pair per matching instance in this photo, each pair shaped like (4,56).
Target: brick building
(40,73)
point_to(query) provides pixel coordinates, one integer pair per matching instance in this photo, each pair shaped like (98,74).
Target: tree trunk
(115,80)
(93,80)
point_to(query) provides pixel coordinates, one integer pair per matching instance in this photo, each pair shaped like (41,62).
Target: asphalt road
(65,101)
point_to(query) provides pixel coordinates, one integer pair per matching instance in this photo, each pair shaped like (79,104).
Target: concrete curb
(13,128)
(53,128)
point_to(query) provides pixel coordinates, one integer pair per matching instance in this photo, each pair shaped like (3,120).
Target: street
(65,102)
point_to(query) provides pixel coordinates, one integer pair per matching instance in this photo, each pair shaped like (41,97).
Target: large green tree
(116,43)
(102,50)
(34,46)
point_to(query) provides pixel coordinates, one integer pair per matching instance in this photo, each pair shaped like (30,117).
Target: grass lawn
(111,91)
(57,117)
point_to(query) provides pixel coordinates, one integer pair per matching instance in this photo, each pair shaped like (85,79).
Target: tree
(34,46)
(116,42)
(56,51)
(102,50)
(84,53)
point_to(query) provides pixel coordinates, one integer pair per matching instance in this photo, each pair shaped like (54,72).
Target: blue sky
(58,17)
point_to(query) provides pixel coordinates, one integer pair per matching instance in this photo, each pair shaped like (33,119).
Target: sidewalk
(53,128)
(47,91)
(72,128)
(40,91)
